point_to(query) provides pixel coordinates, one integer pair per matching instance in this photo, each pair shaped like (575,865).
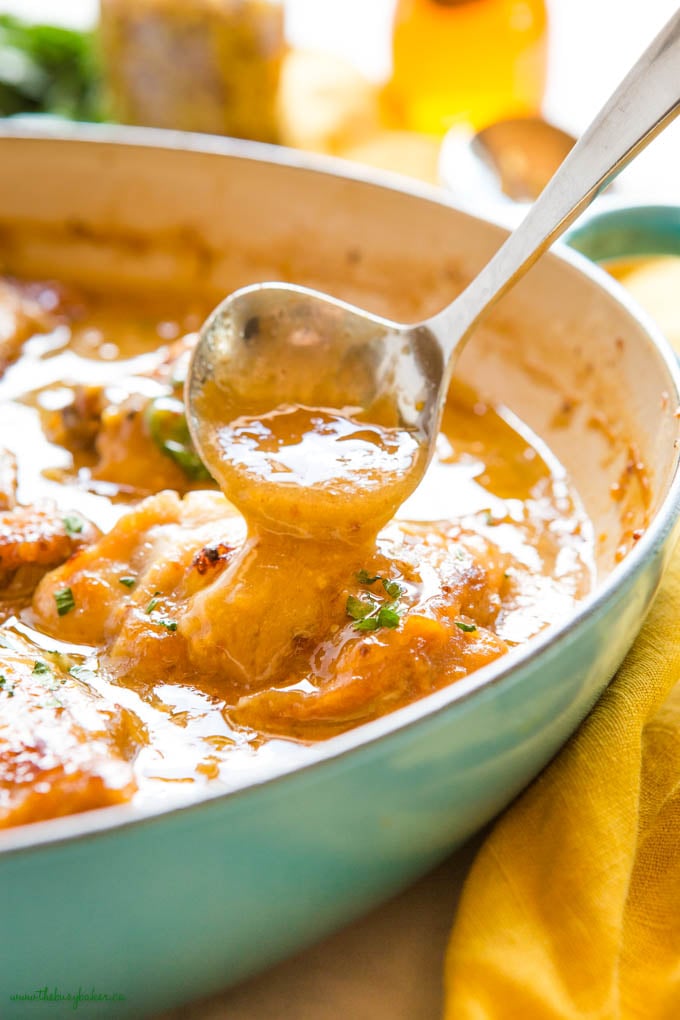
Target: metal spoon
(524,153)
(276,345)
(507,162)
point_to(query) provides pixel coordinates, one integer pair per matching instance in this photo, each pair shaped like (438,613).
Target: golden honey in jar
(466,62)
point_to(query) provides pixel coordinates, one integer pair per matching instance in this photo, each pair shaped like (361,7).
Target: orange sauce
(180,648)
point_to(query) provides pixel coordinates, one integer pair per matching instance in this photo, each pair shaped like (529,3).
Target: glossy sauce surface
(311,471)
(181,648)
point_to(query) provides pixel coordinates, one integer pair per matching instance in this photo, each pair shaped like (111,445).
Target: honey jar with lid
(204,65)
(466,63)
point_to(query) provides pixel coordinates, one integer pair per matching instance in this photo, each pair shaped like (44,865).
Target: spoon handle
(644,103)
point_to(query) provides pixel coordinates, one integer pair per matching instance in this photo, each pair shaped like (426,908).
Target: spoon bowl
(277,359)
(523,153)
(506,163)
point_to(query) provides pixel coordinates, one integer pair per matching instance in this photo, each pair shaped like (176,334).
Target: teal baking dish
(152,908)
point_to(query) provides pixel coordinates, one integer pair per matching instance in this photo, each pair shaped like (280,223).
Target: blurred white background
(593,42)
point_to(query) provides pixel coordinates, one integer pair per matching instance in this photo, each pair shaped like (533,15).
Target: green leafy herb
(368,613)
(168,428)
(368,623)
(389,615)
(48,69)
(40,667)
(359,608)
(363,577)
(170,625)
(64,600)
(393,588)
(7,686)
(73,524)
(153,603)
(127,582)
(467,628)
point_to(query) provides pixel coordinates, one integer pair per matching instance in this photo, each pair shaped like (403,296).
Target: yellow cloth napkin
(572,906)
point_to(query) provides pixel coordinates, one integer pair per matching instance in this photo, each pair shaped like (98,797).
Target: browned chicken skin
(62,748)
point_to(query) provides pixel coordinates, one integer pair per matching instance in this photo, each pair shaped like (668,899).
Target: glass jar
(466,62)
(194,65)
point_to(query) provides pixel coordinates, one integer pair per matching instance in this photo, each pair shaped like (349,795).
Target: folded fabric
(572,906)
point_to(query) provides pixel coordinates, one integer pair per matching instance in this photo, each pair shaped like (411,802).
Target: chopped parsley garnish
(73,524)
(363,577)
(387,615)
(393,588)
(7,686)
(64,600)
(40,667)
(369,614)
(358,608)
(153,603)
(467,628)
(127,582)
(168,624)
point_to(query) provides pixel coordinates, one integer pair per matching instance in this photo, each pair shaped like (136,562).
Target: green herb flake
(6,686)
(49,69)
(153,603)
(170,625)
(73,524)
(363,577)
(369,614)
(358,609)
(467,628)
(127,582)
(65,601)
(388,616)
(393,588)
(40,667)
(368,623)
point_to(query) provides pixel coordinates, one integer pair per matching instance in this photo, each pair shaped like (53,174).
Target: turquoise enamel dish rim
(621,231)
(656,226)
